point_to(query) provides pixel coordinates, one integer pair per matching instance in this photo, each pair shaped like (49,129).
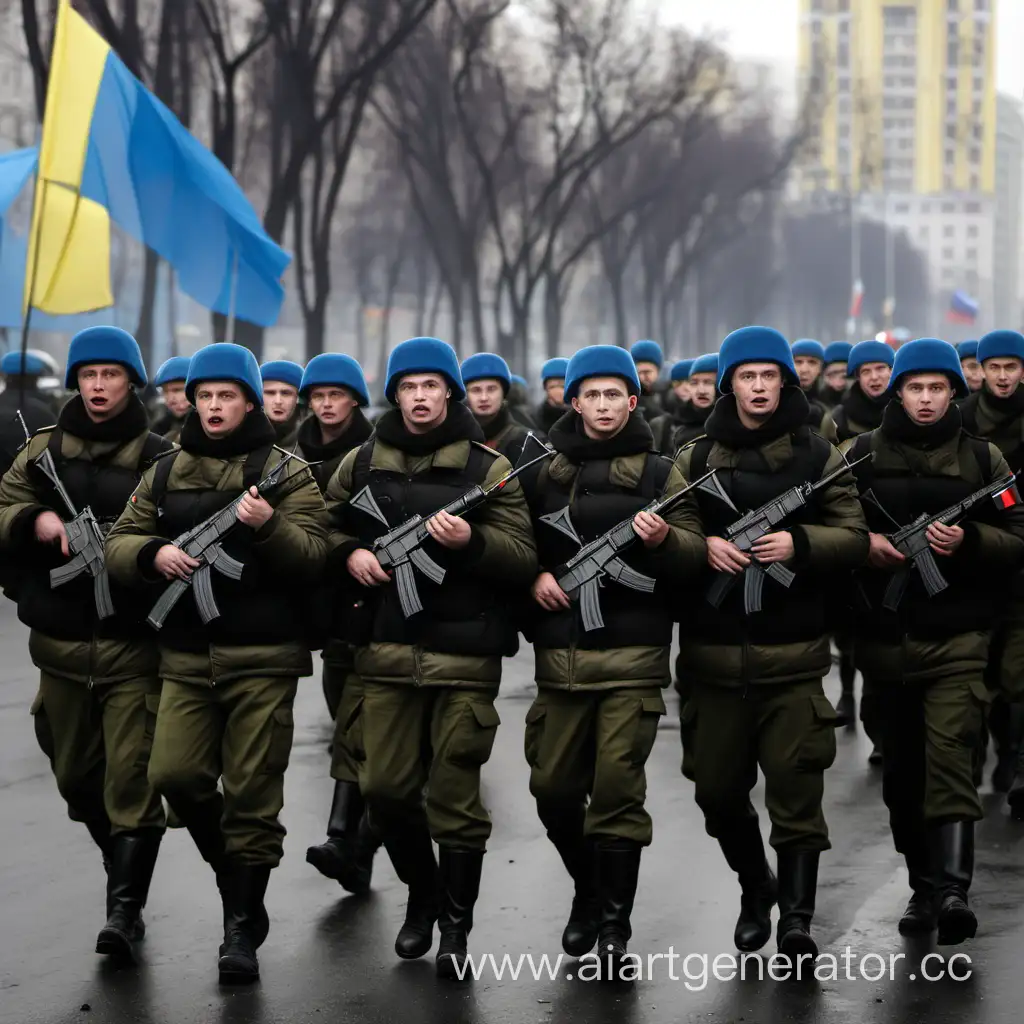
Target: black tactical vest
(465,614)
(787,615)
(964,605)
(258,610)
(631,617)
(68,612)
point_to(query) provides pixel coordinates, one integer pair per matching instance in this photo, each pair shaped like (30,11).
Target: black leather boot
(132,859)
(564,824)
(1015,793)
(920,916)
(337,857)
(99,830)
(952,852)
(460,887)
(618,868)
(744,853)
(798,885)
(203,821)
(246,923)
(846,708)
(412,854)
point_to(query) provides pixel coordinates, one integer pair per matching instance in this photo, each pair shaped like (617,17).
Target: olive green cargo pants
(595,744)
(102,737)
(930,734)
(239,731)
(346,750)
(788,730)
(426,742)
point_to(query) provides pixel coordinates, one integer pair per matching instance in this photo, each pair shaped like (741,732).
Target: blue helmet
(647,352)
(837,352)
(284,371)
(1001,345)
(929,355)
(487,366)
(334,368)
(707,363)
(967,350)
(600,361)
(554,369)
(33,366)
(423,355)
(809,347)
(102,344)
(681,370)
(175,368)
(225,361)
(754,345)
(868,352)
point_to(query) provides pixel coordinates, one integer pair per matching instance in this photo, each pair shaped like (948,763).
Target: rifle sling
(252,471)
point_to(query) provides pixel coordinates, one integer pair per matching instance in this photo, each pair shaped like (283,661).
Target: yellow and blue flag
(111,151)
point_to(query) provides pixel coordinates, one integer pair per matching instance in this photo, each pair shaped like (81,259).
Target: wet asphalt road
(330,958)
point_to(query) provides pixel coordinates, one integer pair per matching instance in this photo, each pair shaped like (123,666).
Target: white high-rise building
(1007,237)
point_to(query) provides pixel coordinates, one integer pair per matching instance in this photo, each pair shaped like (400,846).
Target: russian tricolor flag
(962,309)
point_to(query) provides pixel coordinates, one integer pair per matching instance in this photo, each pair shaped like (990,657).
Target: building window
(947,254)
(948,231)
(950,158)
(972,208)
(949,207)
(902,208)
(975,183)
(972,231)
(972,255)
(975,155)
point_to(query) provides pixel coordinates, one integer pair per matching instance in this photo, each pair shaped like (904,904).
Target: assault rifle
(85,542)
(401,548)
(757,524)
(203,542)
(911,541)
(581,576)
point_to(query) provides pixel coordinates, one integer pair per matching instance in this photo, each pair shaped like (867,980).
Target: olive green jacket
(293,542)
(508,556)
(680,556)
(102,660)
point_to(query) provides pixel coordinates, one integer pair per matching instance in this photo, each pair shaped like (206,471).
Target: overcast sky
(768,29)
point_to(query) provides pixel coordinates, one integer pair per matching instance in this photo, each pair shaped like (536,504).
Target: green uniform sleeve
(133,540)
(840,541)
(19,504)
(341,539)
(684,551)
(294,540)
(989,546)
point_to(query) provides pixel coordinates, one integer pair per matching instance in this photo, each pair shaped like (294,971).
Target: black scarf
(127,424)
(864,410)
(458,425)
(255,431)
(283,430)
(497,424)
(567,437)
(724,424)
(1003,409)
(549,415)
(687,414)
(897,425)
(356,431)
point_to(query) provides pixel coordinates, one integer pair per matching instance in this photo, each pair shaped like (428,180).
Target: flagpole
(26,322)
(229,331)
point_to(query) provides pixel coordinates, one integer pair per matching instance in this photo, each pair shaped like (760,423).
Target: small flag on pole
(857,299)
(962,308)
(1007,498)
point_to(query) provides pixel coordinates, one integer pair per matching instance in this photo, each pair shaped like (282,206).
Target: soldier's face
(1002,375)
(222,406)
(682,390)
(926,397)
(874,378)
(808,369)
(604,405)
(702,389)
(105,390)
(485,398)
(648,374)
(174,397)
(835,376)
(423,401)
(279,400)
(555,390)
(758,390)
(332,405)
(973,372)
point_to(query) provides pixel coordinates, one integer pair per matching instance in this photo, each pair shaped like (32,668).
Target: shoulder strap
(983,454)
(54,443)
(361,467)
(153,446)
(861,446)
(699,459)
(655,475)
(252,470)
(821,449)
(161,475)
(480,458)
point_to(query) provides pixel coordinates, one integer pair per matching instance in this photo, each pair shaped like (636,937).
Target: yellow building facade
(907,93)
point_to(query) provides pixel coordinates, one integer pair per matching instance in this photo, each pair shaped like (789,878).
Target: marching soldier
(519,402)
(925,658)
(487,380)
(649,358)
(170,379)
(686,422)
(335,388)
(281,382)
(229,683)
(552,378)
(995,412)
(679,377)
(99,685)
(20,395)
(428,721)
(594,721)
(973,373)
(833,381)
(809,360)
(870,366)
(756,677)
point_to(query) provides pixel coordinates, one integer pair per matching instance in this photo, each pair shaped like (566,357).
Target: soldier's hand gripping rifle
(759,523)
(400,549)
(203,542)
(85,542)
(911,541)
(580,578)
